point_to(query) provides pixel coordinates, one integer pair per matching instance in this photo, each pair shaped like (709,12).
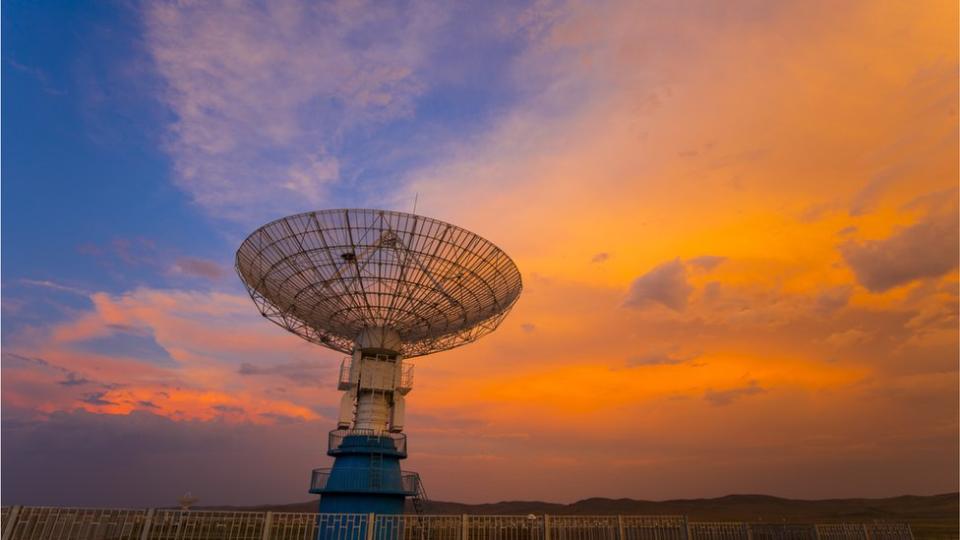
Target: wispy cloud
(728,396)
(55,286)
(41,77)
(97,399)
(706,262)
(300,373)
(264,93)
(71,378)
(197,267)
(659,358)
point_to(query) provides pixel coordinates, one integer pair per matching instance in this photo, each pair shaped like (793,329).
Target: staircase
(421,525)
(419,498)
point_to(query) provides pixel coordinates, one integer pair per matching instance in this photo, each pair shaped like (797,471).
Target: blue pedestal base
(352,503)
(365,478)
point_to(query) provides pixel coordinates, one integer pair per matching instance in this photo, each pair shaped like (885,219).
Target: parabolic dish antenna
(382,287)
(329,276)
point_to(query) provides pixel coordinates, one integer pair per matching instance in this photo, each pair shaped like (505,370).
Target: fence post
(464,527)
(866,532)
(147,522)
(546,527)
(816,531)
(11,522)
(686,528)
(371,523)
(749,527)
(267,526)
(621,531)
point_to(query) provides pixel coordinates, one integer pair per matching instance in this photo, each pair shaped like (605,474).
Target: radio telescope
(186,501)
(382,287)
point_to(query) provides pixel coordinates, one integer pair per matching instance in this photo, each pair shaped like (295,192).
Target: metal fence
(785,531)
(52,523)
(719,531)
(180,525)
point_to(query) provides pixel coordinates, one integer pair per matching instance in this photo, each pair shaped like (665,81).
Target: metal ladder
(376,471)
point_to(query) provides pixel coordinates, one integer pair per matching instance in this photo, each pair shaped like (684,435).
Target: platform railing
(397,440)
(402,383)
(358,479)
(55,523)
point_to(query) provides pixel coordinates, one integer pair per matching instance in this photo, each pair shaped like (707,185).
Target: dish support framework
(369,443)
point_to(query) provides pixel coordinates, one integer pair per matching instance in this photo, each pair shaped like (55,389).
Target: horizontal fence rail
(53,523)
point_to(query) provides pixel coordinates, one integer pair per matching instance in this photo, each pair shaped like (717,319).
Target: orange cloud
(190,404)
(207,336)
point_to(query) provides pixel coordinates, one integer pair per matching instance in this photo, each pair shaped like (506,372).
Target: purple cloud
(707,262)
(865,199)
(197,267)
(659,359)
(926,249)
(300,372)
(726,397)
(834,298)
(666,285)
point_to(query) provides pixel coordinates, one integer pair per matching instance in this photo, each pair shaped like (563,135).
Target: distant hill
(932,516)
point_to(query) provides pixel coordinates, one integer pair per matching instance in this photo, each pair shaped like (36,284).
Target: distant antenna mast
(186,501)
(415,197)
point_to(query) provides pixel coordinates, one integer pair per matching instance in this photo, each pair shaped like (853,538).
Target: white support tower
(374,381)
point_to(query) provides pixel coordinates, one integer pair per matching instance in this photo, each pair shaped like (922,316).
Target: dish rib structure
(328,275)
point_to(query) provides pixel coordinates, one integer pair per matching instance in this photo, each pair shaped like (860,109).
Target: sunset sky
(737,225)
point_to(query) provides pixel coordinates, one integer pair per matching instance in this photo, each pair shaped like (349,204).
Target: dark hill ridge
(932,516)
